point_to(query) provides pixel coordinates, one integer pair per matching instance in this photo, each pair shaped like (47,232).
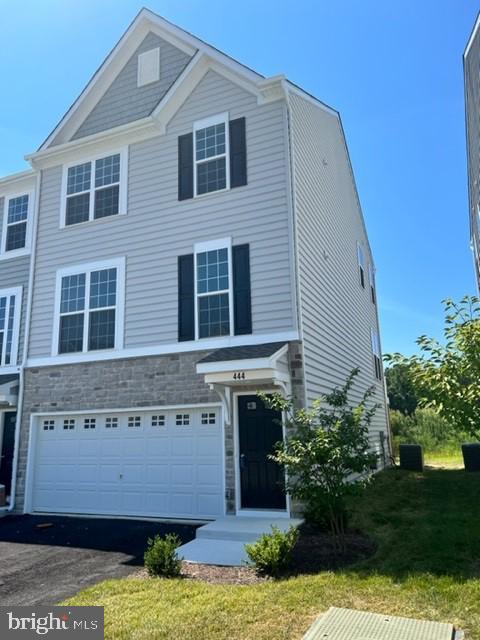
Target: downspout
(23,364)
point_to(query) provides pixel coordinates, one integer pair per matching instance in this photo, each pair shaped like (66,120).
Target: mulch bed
(314,552)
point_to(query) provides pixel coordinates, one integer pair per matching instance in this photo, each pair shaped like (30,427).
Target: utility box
(411,457)
(471,456)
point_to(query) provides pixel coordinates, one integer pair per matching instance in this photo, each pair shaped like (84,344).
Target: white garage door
(156,463)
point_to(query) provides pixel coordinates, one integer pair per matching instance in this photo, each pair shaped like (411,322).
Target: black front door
(262,481)
(8,441)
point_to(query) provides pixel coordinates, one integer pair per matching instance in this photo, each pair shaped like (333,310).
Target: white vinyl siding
(159,228)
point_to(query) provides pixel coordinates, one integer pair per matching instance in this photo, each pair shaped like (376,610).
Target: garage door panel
(166,463)
(158,475)
(182,475)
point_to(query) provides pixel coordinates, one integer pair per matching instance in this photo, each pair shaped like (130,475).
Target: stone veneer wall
(130,382)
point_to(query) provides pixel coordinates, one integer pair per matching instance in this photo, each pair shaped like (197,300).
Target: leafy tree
(447,375)
(327,454)
(401,391)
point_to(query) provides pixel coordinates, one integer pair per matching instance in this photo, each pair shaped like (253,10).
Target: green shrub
(272,553)
(161,558)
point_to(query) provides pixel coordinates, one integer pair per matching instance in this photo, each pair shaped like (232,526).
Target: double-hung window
(10,301)
(211,152)
(95,189)
(377,358)
(361,264)
(16,223)
(213,280)
(90,307)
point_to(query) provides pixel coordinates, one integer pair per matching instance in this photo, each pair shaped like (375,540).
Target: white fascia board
(472,36)
(191,76)
(196,43)
(309,98)
(95,144)
(17,181)
(205,344)
(251,375)
(247,364)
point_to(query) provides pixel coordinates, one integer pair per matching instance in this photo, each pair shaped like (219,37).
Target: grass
(427,527)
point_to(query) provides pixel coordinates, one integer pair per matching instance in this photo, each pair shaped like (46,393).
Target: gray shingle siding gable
(123,101)
(158,228)
(337,314)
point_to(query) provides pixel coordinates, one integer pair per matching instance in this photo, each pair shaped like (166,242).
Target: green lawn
(427,527)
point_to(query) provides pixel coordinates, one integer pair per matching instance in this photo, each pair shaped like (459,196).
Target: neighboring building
(198,236)
(471,67)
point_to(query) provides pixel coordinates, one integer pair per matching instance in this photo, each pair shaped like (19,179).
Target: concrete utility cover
(346,624)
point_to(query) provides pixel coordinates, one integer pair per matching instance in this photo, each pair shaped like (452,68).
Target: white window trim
(202,124)
(4,254)
(212,245)
(371,279)
(17,292)
(123,186)
(375,343)
(87,268)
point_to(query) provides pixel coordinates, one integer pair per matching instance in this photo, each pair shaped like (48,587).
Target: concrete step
(227,553)
(242,528)
(222,542)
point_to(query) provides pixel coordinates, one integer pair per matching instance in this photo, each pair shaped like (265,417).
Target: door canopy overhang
(233,368)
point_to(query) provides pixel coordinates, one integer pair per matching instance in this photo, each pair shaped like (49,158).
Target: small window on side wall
(377,358)
(361,264)
(371,278)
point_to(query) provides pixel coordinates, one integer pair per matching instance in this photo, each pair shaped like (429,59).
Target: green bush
(272,553)
(428,429)
(161,558)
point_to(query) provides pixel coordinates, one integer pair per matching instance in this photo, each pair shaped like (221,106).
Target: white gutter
(18,423)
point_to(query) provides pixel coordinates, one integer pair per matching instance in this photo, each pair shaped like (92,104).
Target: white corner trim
(92,158)
(87,268)
(163,349)
(28,237)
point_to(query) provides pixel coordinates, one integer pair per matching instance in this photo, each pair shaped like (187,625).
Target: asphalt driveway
(46,559)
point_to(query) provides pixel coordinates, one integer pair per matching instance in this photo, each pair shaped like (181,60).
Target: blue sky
(392,68)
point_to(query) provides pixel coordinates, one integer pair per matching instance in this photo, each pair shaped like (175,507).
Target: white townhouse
(189,233)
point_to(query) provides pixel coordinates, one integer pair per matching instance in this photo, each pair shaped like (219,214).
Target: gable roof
(146,21)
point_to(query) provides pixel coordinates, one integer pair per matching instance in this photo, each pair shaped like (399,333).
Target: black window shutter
(242,305)
(186,302)
(238,153)
(185,166)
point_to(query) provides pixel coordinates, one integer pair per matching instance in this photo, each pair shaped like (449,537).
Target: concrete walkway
(222,542)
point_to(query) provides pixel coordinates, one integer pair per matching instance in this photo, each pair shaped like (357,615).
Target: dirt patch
(315,551)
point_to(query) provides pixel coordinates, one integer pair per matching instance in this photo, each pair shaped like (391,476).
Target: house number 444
(239,375)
